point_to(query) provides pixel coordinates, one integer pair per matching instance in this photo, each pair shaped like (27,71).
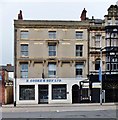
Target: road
(60,111)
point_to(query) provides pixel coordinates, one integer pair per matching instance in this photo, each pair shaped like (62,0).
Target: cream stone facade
(50,53)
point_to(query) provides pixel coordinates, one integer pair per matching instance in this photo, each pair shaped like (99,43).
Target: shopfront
(46,91)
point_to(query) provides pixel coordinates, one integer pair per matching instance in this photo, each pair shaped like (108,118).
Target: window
(79,69)
(52,50)
(97,40)
(24,34)
(52,34)
(97,64)
(59,92)
(24,50)
(79,34)
(24,70)
(52,69)
(79,50)
(27,92)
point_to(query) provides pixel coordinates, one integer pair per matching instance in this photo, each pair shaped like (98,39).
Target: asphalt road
(60,111)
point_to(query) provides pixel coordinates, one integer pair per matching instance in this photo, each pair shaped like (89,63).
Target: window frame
(52,34)
(79,34)
(23,72)
(59,91)
(79,69)
(23,52)
(28,89)
(53,51)
(52,70)
(24,34)
(79,52)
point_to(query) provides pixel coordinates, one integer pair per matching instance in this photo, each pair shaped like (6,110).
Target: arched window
(97,64)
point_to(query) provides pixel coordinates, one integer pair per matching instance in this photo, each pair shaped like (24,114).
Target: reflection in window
(79,50)
(79,69)
(79,34)
(52,69)
(52,50)
(24,50)
(24,70)
(52,34)
(59,92)
(97,64)
(27,92)
(24,34)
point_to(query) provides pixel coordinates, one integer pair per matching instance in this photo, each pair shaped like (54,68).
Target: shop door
(43,94)
(76,94)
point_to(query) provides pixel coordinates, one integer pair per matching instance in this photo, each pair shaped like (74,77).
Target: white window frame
(52,34)
(52,50)
(24,34)
(24,52)
(79,34)
(79,66)
(24,71)
(52,69)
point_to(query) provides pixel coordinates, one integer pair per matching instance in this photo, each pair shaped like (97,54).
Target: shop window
(27,92)
(79,69)
(79,34)
(59,92)
(52,49)
(52,69)
(24,34)
(52,34)
(24,50)
(79,50)
(24,70)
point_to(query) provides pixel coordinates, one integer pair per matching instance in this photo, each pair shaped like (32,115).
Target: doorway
(76,96)
(43,94)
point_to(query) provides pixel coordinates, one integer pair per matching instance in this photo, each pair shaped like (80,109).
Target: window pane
(24,70)
(24,34)
(52,34)
(79,69)
(79,50)
(27,92)
(52,50)
(52,70)
(79,35)
(97,64)
(24,50)
(59,92)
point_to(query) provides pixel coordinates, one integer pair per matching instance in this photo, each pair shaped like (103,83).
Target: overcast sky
(43,10)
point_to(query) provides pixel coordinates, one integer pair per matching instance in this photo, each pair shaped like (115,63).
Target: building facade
(59,61)
(6,84)
(51,59)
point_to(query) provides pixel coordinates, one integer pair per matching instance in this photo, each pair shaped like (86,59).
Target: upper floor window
(24,50)
(79,34)
(24,70)
(97,64)
(97,40)
(79,50)
(52,69)
(79,69)
(24,34)
(52,50)
(52,34)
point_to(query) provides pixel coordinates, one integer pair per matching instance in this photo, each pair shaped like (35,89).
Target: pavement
(59,105)
(83,110)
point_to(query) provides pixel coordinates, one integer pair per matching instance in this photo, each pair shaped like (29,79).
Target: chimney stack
(20,17)
(83,15)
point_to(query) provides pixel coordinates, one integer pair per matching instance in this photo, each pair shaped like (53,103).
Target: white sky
(43,10)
